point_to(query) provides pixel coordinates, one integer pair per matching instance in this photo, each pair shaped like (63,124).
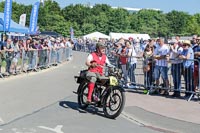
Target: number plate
(113,81)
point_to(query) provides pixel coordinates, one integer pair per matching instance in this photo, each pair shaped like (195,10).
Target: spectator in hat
(188,65)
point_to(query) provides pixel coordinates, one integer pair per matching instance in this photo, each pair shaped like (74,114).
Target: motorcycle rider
(95,62)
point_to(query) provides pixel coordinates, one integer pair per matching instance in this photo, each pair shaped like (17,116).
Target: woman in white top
(132,60)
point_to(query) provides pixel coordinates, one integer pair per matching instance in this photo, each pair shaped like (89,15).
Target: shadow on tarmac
(73,105)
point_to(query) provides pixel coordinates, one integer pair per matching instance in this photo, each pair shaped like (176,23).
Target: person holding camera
(177,66)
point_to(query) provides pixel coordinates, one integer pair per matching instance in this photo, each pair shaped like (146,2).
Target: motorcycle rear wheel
(82,96)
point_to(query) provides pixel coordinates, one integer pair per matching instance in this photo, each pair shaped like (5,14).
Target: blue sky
(190,6)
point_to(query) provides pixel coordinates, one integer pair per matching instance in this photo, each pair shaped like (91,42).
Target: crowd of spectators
(32,53)
(180,57)
(156,55)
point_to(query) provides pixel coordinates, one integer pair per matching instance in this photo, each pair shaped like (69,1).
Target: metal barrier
(13,63)
(180,79)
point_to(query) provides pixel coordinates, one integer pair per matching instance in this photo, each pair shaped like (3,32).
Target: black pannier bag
(82,76)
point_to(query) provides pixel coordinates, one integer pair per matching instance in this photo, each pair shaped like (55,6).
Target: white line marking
(1,121)
(131,118)
(56,130)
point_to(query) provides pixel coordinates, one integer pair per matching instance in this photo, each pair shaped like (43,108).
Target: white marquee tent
(127,35)
(96,35)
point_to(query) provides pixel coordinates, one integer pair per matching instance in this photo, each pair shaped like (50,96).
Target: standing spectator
(148,66)
(160,54)
(16,56)
(116,52)
(33,53)
(123,62)
(59,50)
(178,40)
(23,55)
(196,50)
(132,63)
(9,55)
(2,53)
(53,52)
(188,55)
(143,45)
(69,45)
(177,66)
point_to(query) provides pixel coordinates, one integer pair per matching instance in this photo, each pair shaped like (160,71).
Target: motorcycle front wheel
(114,102)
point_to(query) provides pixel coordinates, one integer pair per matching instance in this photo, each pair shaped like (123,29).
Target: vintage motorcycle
(107,94)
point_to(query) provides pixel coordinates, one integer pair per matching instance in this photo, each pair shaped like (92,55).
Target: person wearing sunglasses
(188,65)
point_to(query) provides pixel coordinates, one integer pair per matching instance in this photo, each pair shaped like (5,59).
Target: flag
(71,33)
(7,15)
(22,20)
(34,18)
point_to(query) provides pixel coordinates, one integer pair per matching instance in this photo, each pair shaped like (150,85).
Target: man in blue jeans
(177,66)
(132,59)
(161,55)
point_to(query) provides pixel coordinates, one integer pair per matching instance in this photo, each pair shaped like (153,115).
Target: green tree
(150,21)
(178,22)
(118,20)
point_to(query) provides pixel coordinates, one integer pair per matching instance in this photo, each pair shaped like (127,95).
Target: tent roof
(14,27)
(96,35)
(127,35)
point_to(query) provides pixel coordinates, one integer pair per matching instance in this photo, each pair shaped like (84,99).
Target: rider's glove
(93,65)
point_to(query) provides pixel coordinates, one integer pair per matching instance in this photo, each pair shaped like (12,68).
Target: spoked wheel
(114,103)
(82,96)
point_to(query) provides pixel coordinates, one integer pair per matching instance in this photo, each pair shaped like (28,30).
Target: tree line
(105,19)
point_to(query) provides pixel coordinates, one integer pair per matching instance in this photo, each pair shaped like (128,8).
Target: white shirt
(174,53)
(62,45)
(161,50)
(68,44)
(132,59)
(90,58)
